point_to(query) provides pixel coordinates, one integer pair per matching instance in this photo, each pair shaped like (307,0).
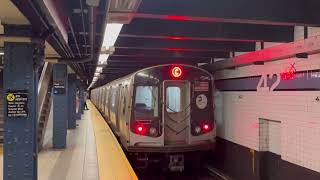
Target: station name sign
(59,87)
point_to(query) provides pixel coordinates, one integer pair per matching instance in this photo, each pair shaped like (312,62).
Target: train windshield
(146,103)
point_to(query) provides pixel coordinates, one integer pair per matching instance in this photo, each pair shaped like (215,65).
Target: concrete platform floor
(77,162)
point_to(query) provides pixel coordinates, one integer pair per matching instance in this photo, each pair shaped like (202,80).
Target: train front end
(172,112)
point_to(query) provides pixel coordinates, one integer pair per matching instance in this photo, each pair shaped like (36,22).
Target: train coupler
(176,162)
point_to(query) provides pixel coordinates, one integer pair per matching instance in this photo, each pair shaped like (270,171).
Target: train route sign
(17,103)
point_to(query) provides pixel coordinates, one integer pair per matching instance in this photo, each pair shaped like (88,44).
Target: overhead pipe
(74,37)
(83,26)
(48,26)
(79,60)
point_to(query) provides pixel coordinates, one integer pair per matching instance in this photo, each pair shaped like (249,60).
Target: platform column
(72,95)
(22,61)
(82,99)
(80,108)
(60,106)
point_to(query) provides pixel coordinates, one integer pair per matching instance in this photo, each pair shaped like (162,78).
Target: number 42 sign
(263,85)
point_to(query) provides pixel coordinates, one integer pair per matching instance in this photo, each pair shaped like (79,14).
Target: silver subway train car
(161,113)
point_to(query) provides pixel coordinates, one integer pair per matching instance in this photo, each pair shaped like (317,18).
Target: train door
(109,104)
(106,103)
(123,113)
(102,100)
(176,112)
(118,106)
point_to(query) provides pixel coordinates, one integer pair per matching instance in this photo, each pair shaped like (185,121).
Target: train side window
(146,102)
(173,99)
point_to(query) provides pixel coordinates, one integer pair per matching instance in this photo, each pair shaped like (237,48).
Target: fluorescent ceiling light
(1,53)
(98,69)
(125,5)
(103,58)
(111,34)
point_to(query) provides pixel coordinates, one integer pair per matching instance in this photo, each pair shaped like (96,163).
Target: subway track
(206,173)
(185,175)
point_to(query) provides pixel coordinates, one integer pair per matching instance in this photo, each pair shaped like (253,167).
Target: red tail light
(199,128)
(144,127)
(141,129)
(206,127)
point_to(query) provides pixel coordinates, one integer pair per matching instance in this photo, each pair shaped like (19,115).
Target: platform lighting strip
(110,36)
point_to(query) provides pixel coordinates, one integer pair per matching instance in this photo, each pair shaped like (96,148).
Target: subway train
(162,114)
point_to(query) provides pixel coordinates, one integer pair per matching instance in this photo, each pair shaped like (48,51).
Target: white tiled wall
(269,133)
(238,113)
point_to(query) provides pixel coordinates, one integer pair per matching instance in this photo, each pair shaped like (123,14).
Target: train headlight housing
(153,131)
(197,130)
(141,129)
(202,127)
(206,127)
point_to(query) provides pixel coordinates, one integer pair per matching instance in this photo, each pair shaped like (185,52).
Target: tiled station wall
(285,121)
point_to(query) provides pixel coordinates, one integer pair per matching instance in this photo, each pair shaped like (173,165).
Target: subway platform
(92,153)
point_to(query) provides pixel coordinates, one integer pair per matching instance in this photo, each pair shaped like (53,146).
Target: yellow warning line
(113,163)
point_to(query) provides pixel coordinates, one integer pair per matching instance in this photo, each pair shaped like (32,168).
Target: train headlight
(153,131)
(197,130)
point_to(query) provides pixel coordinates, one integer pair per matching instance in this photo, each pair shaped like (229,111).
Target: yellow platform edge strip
(101,126)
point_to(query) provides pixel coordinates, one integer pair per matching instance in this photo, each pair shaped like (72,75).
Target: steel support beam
(22,60)
(81,100)
(60,106)
(295,49)
(273,12)
(185,44)
(158,59)
(119,52)
(189,30)
(72,93)
(42,22)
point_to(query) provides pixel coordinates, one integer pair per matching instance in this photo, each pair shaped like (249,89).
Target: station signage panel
(59,87)
(17,103)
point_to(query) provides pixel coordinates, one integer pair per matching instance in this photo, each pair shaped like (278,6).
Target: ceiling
(160,31)
(9,14)
(193,32)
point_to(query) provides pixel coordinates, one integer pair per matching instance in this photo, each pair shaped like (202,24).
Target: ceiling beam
(168,54)
(158,59)
(273,12)
(302,47)
(164,43)
(163,29)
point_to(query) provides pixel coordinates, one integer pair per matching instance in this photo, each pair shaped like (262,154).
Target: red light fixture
(206,127)
(176,49)
(176,72)
(177,38)
(140,129)
(177,18)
